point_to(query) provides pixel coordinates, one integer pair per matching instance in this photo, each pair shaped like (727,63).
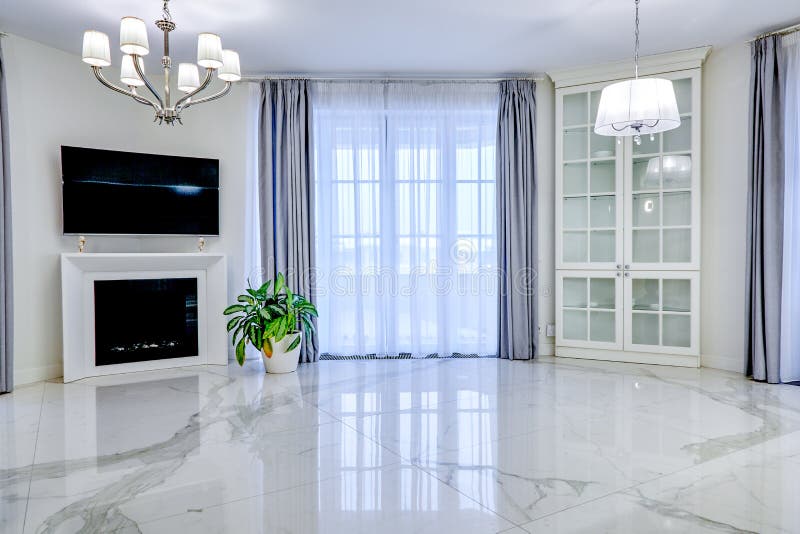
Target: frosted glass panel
(601,326)
(575,112)
(603,146)
(683,94)
(677,171)
(677,295)
(645,294)
(575,143)
(603,179)
(648,146)
(574,295)
(646,174)
(603,246)
(575,247)
(575,212)
(646,244)
(644,329)
(677,330)
(678,246)
(680,138)
(602,293)
(603,212)
(594,105)
(646,210)
(678,209)
(575,178)
(574,326)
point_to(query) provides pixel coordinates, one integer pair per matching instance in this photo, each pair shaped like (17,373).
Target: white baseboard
(547,349)
(37,374)
(723,363)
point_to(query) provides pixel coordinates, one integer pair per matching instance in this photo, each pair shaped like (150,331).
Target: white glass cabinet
(628,223)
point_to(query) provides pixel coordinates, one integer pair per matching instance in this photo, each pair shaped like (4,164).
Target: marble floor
(462,445)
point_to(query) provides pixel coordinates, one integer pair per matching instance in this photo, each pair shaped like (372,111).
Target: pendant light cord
(636,46)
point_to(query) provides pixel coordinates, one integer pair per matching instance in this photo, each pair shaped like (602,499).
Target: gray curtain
(765,211)
(6,330)
(286,189)
(517,223)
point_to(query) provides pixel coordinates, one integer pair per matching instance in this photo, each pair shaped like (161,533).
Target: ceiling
(456,37)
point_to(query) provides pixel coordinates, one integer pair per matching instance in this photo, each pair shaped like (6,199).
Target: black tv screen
(110,192)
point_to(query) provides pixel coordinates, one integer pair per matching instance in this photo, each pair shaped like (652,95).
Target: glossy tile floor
(466,445)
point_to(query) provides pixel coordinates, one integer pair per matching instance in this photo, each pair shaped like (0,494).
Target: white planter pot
(282,361)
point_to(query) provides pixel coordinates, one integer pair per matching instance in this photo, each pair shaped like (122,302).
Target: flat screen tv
(108,192)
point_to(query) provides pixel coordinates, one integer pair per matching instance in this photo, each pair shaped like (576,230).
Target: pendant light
(638,106)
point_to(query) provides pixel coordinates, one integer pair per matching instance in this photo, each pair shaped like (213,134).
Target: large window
(406,218)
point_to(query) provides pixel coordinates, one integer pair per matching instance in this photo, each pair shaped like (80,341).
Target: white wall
(545,182)
(54,100)
(726,86)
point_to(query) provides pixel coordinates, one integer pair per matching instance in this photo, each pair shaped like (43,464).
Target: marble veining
(466,445)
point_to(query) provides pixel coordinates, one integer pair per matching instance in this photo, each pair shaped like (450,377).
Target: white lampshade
(230,71)
(96,51)
(188,77)
(133,36)
(209,50)
(641,106)
(127,72)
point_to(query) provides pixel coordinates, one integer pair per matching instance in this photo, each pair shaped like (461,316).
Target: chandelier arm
(179,104)
(225,90)
(147,83)
(138,98)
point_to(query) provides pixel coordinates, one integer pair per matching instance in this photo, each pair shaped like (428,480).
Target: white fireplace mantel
(80,270)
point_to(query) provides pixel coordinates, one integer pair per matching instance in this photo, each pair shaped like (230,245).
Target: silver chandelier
(134,45)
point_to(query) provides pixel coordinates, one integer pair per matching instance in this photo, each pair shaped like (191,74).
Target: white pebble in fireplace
(140,312)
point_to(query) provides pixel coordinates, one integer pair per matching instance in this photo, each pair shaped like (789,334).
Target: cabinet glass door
(662,204)
(662,312)
(589,305)
(589,209)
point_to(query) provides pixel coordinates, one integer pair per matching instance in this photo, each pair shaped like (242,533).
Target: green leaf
(240,352)
(233,309)
(293,344)
(264,287)
(246,298)
(232,323)
(280,282)
(308,324)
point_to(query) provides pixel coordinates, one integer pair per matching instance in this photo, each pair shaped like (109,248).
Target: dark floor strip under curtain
(517,222)
(765,211)
(286,189)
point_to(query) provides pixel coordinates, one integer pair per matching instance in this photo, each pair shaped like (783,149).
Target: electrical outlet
(551,330)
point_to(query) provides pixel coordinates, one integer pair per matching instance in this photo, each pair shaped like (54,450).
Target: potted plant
(274,319)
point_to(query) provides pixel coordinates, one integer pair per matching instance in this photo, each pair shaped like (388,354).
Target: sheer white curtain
(790,300)
(405,217)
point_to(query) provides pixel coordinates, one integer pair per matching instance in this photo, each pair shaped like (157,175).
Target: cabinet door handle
(618,275)
(627,275)
(627,266)
(619,266)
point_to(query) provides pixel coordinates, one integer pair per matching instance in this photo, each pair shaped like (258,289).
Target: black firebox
(145,319)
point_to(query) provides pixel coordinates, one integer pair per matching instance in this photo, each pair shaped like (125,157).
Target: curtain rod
(401,78)
(783,31)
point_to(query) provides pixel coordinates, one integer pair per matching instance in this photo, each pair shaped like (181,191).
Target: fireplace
(145,319)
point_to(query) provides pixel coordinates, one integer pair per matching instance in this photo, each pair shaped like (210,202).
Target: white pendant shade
(133,36)
(188,77)
(640,106)
(230,71)
(96,50)
(128,74)
(209,50)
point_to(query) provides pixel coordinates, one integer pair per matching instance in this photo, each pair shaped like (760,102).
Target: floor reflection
(386,446)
